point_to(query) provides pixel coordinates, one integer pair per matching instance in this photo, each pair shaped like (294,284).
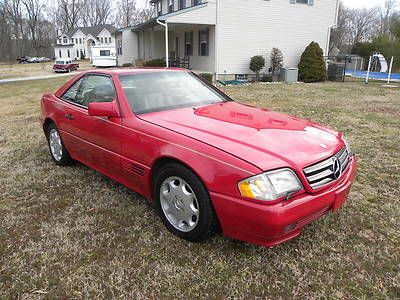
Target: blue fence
(373,75)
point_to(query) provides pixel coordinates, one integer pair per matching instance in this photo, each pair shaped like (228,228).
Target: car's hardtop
(117,72)
(134,70)
(63,61)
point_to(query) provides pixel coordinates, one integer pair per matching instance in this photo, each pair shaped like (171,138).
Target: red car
(204,160)
(65,65)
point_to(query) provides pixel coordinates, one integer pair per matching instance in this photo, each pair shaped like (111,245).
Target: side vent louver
(138,169)
(132,168)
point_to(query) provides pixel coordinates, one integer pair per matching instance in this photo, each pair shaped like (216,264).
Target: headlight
(347,146)
(270,186)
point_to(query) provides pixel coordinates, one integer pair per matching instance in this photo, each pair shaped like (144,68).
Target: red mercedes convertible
(207,163)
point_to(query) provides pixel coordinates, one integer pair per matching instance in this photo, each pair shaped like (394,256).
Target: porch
(190,46)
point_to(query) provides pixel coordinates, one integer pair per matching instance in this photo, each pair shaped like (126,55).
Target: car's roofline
(125,71)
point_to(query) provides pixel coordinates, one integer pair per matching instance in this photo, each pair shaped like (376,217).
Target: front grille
(328,170)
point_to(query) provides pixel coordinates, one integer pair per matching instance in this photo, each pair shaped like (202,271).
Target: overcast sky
(363,3)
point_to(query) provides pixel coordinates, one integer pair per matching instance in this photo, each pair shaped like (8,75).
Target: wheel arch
(47,122)
(164,160)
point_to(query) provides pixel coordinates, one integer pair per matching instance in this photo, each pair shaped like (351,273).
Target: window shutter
(199,50)
(311,2)
(208,42)
(293,1)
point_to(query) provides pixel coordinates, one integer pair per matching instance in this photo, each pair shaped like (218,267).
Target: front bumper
(270,225)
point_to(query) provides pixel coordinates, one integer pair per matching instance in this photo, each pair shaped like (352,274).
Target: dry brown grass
(73,233)
(35,69)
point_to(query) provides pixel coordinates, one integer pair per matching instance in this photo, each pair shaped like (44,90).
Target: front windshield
(156,91)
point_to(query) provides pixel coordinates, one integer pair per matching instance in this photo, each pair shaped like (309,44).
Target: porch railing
(180,62)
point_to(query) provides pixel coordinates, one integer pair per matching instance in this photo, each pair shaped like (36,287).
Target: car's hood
(264,138)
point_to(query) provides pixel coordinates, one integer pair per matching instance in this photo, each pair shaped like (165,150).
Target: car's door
(93,140)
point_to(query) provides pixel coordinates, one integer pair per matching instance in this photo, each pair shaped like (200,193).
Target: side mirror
(103,109)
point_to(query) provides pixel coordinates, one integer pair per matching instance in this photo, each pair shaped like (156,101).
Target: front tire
(183,203)
(58,152)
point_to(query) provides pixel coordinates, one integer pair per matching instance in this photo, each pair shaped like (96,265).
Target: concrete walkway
(39,77)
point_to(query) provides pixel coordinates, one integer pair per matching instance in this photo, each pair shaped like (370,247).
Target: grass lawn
(72,233)
(35,69)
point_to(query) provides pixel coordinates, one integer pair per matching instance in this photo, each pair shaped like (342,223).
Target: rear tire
(58,152)
(184,203)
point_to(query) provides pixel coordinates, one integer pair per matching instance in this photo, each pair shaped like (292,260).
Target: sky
(141,3)
(363,3)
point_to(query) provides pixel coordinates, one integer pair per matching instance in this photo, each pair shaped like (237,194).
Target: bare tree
(68,14)
(145,14)
(96,12)
(126,12)
(5,32)
(33,10)
(361,25)
(385,15)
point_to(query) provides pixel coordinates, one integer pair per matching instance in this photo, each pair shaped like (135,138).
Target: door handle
(69,116)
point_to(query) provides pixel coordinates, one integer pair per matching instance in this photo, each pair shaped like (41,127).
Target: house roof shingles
(93,30)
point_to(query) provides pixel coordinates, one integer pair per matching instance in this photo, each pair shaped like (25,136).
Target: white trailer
(104,56)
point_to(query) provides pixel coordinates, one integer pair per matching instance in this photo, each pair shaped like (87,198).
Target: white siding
(254,27)
(79,43)
(205,15)
(129,47)
(105,35)
(64,52)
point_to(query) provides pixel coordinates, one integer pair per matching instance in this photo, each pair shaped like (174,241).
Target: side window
(70,94)
(91,88)
(95,88)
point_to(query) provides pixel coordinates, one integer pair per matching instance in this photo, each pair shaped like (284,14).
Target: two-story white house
(77,43)
(220,36)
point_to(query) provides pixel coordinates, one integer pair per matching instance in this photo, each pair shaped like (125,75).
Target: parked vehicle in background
(33,59)
(43,59)
(23,59)
(65,65)
(104,56)
(206,161)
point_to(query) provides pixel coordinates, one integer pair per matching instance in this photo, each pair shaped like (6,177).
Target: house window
(104,52)
(241,76)
(80,41)
(68,53)
(65,40)
(196,2)
(204,42)
(109,40)
(59,41)
(182,4)
(77,53)
(188,43)
(59,53)
(119,47)
(170,6)
(159,8)
(101,40)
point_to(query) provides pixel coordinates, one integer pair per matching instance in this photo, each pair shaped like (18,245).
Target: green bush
(256,64)
(312,66)
(127,65)
(207,76)
(159,62)
(266,78)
